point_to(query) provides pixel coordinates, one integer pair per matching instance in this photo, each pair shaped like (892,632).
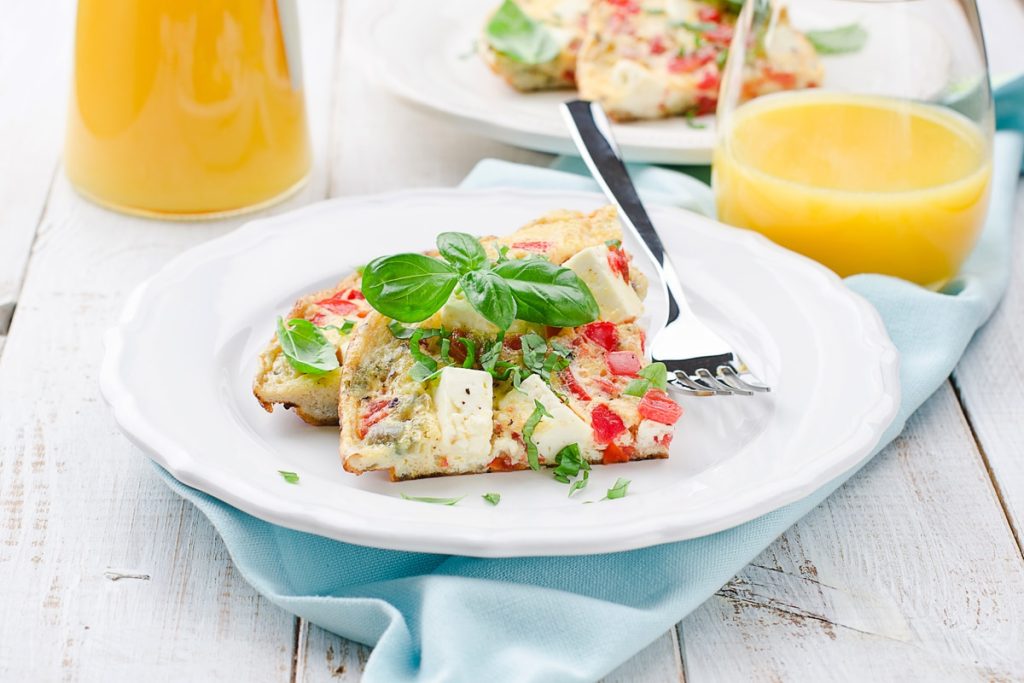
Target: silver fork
(698,360)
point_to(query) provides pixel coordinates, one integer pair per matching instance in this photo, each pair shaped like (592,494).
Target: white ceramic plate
(179,366)
(424,52)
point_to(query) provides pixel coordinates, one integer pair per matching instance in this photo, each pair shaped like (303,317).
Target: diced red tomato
(619,263)
(721,34)
(706,105)
(339,304)
(665,440)
(657,406)
(630,6)
(513,342)
(708,13)
(573,385)
(355,295)
(686,63)
(709,81)
(318,319)
(373,413)
(603,334)
(615,453)
(503,463)
(457,349)
(783,78)
(532,246)
(607,425)
(607,386)
(658,46)
(623,363)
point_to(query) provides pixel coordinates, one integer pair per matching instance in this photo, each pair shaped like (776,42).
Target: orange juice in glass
(866,175)
(187,108)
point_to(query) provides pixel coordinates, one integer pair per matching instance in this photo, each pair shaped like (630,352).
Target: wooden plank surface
(908,572)
(107,575)
(29,137)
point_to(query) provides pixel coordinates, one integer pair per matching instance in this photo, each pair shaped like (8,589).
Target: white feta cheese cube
(615,297)
(463,401)
(554,433)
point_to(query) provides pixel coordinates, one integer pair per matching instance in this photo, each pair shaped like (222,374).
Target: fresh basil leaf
(492,498)
(837,41)
(306,348)
(289,477)
(502,253)
(408,287)
(638,387)
(461,250)
(657,373)
(618,489)
(539,411)
(446,347)
(491,296)
(548,294)
(519,37)
(435,501)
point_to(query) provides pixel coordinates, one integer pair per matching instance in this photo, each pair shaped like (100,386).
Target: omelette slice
(453,395)
(339,311)
(532,44)
(659,58)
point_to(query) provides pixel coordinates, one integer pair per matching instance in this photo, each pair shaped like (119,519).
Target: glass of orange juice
(187,108)
(884,165)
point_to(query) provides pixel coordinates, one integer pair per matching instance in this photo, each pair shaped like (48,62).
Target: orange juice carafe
(187,108)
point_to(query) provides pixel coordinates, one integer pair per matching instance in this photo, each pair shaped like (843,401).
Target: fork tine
(681,381)
(730,374)
(706,377)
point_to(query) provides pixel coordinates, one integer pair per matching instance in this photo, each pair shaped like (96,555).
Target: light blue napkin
(447,618)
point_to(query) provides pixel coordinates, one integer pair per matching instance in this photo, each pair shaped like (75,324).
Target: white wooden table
(912,571)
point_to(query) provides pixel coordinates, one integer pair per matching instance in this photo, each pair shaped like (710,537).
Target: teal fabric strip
(450,618)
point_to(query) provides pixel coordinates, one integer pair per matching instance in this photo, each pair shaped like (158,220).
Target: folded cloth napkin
(448,618)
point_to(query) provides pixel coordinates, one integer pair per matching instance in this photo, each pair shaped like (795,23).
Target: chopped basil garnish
(289,477)
(570,463)
(345,328)
(519,37)
(837,41)
(435,501)
(618,489)
(694,27)
(613,244)
(654,375)
(412,287)
(306,348)
(539,411)
(492,498)
(692,122)
(470,347)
